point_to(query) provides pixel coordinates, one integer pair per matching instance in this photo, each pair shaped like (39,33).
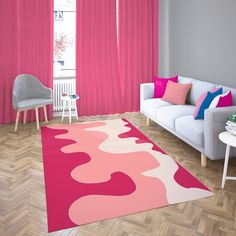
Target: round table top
(68,97)
(227,138)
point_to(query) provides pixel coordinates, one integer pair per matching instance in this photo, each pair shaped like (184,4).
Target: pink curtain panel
(98,81)
(26,46)
(109,73)
(138,47)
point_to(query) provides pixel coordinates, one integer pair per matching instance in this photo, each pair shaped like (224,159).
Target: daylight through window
(64,37)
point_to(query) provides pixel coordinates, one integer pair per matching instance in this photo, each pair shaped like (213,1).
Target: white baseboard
(59,113)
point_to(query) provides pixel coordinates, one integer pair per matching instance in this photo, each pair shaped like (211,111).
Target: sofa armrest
(214,123)
(146,92)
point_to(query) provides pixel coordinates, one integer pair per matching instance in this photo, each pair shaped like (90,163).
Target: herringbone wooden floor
(22,193)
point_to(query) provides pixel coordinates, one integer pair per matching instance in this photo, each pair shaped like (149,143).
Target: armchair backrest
(26,87)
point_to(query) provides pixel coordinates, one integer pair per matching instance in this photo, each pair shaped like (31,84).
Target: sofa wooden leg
(147,121)
(203,160)
(17,120)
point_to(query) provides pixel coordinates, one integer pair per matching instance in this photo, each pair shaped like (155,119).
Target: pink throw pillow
(176,93)
(222,100)
(160,85)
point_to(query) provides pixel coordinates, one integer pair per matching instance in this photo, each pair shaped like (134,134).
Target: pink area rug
(105,169)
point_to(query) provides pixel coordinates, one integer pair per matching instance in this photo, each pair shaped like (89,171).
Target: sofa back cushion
(198,88)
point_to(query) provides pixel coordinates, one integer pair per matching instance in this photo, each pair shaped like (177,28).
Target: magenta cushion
(160,85)
(222,100)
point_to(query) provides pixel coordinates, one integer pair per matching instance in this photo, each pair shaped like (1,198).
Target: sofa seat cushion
(191,129)
(168,114)
(150,106)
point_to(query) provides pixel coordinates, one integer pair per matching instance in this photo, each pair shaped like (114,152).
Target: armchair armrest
(214,123)
(146,92)
(45,92)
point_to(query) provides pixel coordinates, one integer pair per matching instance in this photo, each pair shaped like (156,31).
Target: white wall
(202,39)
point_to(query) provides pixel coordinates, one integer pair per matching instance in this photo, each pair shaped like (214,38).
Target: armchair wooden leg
(147,121)
(203,160)
(45,113)
(25,116)
(17,120)
(37,117)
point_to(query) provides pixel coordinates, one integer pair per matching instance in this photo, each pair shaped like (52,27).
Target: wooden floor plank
(22,191)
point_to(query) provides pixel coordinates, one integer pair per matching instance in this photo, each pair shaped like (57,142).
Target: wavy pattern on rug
(100,170)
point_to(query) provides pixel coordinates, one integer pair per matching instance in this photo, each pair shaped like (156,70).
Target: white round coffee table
(230,141)
(69,102)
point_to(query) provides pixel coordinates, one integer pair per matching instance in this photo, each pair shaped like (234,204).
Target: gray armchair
(29,93)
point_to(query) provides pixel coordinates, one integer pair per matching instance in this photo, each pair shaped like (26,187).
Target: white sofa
(178,119)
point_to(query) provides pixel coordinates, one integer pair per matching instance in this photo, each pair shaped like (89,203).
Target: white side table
(70,103)
(230,141)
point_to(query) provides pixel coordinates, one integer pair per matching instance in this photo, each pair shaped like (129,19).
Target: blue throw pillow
(207,102)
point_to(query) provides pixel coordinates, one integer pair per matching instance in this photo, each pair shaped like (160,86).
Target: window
(58,15)
(117,18)
(64,37)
